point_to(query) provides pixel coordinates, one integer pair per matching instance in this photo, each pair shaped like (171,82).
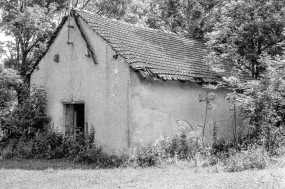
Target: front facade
(92,83)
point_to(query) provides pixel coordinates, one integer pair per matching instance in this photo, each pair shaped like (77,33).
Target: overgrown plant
(208,98)
(26,118)
(261,104)
(9,80)
(255,157)
(244,43)
(170,150)
(50,144)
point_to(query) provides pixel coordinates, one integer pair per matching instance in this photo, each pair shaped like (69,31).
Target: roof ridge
(180,34)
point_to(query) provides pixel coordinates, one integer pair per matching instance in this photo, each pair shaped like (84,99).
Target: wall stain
(154,109)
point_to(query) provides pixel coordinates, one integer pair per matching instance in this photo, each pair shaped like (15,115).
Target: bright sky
(3,38)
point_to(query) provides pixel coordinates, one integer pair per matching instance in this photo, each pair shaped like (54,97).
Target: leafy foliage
(261,104)
(247,38)
(189,16)
(241,31)
(29,24)
(111,9)
(167,149)
(132,11)
(27,118)
(51,144)
(255,157)
(9,79)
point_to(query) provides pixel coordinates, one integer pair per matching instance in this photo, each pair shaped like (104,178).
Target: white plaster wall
(103,87)
(162,108)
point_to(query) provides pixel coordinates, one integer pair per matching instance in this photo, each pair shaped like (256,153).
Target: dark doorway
(74,119)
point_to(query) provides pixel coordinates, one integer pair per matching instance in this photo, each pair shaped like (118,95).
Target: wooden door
(69,119)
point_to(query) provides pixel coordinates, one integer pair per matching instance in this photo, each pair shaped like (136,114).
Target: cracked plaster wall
(164,108)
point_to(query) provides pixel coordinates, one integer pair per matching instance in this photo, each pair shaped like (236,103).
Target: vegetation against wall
(248,36)
(29,117)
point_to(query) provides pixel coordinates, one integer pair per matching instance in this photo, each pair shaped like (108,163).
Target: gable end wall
(103,87)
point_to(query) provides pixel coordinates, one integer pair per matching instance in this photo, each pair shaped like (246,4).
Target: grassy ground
(58,174)
(42,165)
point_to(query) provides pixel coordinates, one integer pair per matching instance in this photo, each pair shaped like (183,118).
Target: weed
(255,157)
(166,150)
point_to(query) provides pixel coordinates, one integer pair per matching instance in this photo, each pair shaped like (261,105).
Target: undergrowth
(165,151)
(223,154)
(54,145)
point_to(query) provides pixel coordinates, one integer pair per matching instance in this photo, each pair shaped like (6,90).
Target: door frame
(64,103)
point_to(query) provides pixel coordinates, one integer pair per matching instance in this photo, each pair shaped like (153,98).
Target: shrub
(51,144)
(261,103)
(9,80)
(169,150)
(48,145)
(255,157)
(223,147)
(27,118)
(230,156)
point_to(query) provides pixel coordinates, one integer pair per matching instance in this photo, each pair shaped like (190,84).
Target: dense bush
(261,104)
(54,145)
(226,155)
(83,149)
(28,117)
(167,149)
(255,157)
(9,79)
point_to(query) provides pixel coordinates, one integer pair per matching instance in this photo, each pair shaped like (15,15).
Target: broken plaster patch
(190,130)
(150,123)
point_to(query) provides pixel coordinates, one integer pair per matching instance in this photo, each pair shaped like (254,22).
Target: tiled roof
(168,56)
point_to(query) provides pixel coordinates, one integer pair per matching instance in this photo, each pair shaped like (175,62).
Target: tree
(112,9)
(132,11)
(249,36)
(188,16)
(30,23)
(262,102)
(241,31)
(27,118)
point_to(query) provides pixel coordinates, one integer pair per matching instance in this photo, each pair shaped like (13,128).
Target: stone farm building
(131,84)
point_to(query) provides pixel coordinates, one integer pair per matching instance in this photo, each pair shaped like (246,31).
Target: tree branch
(75,5)
(84,4)
(32,45)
